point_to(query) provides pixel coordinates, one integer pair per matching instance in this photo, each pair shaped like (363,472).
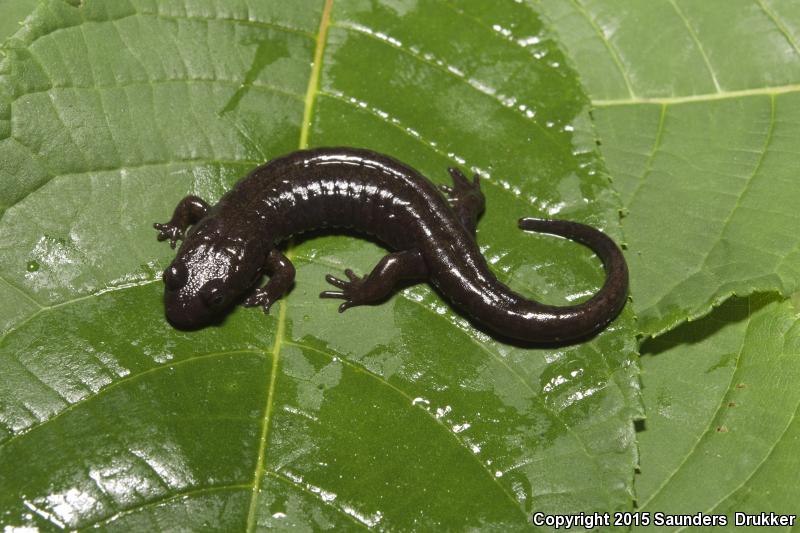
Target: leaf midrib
(308,109)
(380,379)
(310,99)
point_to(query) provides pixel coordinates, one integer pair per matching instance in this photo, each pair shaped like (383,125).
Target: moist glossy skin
(430,231)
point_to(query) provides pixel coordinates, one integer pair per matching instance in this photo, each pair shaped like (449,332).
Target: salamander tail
(607,303)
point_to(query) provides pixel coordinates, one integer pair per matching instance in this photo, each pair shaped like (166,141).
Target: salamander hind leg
(465,198)
(187,212)
(390,271)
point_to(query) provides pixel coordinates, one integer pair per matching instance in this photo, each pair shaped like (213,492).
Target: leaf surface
(695,106)
(700,137)
(14,11)
(722,428)
(397,416)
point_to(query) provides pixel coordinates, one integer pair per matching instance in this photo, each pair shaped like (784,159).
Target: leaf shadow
(732,311)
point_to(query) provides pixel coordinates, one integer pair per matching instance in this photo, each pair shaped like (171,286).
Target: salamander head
(209,275)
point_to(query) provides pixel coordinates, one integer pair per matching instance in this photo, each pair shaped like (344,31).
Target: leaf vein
(159,81)
(612,50)
(762,462)
(258,475)
(21,292)
(308,108)
(129,167)
(262,24)
(452,71)
(125,379)
(649,164)
(294,484)
(708,97)
(711,419)
(431,145)
(696,40)
(380,379)
(748,183)
(775,20)
(159,501)
(554,414)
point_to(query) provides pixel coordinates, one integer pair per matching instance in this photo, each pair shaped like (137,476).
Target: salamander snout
(182,307)
(202,283)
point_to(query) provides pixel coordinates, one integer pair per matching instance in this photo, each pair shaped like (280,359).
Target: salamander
(430,231)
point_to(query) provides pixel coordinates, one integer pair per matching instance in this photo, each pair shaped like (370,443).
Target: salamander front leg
(394,268)
(465,198)
(281,277)
(187,212)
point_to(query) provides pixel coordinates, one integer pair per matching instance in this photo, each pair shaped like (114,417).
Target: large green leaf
(697,105)
(400,416)
(696,108)
(718,437)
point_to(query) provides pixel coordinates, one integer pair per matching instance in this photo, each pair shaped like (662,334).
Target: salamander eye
(212,295)
(175,276)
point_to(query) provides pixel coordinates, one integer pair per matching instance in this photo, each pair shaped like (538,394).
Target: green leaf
(722,428)
(14,11)
(695,107)
(700,137)
(112,111)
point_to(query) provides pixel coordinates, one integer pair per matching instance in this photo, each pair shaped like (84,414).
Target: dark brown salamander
(232,244)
